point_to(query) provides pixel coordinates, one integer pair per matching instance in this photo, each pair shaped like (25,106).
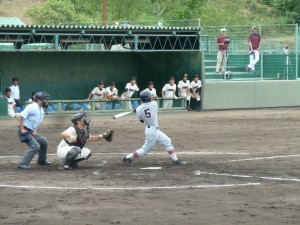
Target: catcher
(71,148)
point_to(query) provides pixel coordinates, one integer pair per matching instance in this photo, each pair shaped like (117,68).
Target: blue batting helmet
(145,96)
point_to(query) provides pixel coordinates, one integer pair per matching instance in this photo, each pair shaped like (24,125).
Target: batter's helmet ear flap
(145,96)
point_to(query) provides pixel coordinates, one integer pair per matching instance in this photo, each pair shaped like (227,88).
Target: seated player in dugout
(130,89)
(71,148)
(111,93)
(98,93)
(196,85)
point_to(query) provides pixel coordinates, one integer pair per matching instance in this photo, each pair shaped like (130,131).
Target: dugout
(69,61)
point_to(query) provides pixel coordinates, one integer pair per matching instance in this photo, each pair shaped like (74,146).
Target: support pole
(104,12)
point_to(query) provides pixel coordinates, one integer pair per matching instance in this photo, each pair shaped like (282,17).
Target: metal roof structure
(11,21)
(100,38)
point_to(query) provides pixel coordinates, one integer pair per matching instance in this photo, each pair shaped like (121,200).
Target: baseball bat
(121,114)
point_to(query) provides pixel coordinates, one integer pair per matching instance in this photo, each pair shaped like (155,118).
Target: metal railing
(71,106)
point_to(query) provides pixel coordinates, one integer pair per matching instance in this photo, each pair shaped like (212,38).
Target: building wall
(72,75)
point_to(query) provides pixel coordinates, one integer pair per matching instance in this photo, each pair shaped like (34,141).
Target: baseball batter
(147,113)
(71,148)
(184,86)
(169,93)
(130,88)
(195,91)
(98,93)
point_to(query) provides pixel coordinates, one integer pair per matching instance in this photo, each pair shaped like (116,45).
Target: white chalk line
(151,153)
(129,188)
(198,173)
(9,156)
(258,158)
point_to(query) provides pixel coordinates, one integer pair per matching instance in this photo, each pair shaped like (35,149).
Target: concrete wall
(250,94)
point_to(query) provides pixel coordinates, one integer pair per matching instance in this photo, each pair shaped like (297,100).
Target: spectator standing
(254,47)
(31,99)
(184,86)
(11,108)
(15,91)
(222,57)
(169,93)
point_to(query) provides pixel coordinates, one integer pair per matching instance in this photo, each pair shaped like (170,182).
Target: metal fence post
(297,49)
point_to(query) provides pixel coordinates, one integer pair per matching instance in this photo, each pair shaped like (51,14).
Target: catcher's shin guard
(72,154)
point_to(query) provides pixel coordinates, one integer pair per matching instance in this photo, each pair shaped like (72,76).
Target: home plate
(151,168)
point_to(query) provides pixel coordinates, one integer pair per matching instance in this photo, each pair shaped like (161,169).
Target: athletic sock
(132,155)
(172,155)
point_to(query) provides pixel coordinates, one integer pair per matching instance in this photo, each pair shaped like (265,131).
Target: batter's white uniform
(99,94)
(148,113)
(10,108)
(152,91)
(130,91)
(195,86)
(170,91)
(63,148)
(184,86)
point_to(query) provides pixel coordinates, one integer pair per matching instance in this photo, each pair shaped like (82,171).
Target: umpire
(29,120)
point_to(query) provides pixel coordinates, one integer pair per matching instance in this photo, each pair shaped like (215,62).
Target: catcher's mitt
(108,135)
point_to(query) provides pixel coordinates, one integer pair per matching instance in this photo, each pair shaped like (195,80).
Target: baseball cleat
(178,162)
(65,167)
(24,166)
(43,163)
(127,162)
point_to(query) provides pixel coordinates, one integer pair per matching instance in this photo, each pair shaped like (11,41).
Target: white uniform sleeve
(94,91)
(165,87)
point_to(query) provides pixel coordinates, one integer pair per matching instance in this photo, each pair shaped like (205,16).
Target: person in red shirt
(223,42)
(254,47)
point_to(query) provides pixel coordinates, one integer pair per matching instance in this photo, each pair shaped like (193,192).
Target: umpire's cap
(41,96)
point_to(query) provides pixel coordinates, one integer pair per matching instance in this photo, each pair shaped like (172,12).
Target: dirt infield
(243,168)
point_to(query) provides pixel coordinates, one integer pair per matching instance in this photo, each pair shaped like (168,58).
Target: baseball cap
(151,83)
(132,78)
(254,28)
(112,83)
(101,83)
(185,75)
(223,30)
(196,75)
(171,78)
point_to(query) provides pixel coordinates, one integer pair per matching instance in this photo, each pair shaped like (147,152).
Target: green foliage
(211,12)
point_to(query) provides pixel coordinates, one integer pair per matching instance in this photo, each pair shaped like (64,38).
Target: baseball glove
(108,135)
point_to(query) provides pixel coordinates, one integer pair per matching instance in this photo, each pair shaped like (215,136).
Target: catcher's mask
(43,96)
(79,116)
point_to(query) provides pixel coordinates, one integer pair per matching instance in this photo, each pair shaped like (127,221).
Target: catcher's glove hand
(108,135)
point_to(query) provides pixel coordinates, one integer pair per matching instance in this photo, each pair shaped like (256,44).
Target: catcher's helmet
(145,96)
(79,116)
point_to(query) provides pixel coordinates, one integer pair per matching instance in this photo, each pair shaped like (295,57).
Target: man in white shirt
(195,92)
(11,108)
(15,91)
(169,93)
(152,90)
(130,88)
(184,86)
(98,93)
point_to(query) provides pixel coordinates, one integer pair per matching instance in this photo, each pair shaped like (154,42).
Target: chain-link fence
(278,56)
